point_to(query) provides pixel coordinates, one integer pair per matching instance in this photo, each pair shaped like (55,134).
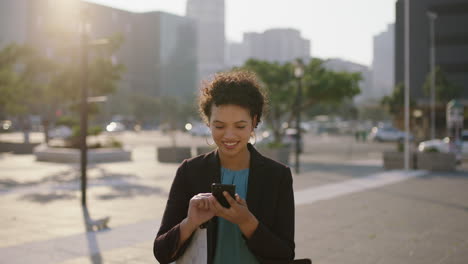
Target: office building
(158,51)
(451,43)
(209,17)
(383,66)
(277,45)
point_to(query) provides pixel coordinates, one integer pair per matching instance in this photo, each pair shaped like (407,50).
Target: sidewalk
(360,214)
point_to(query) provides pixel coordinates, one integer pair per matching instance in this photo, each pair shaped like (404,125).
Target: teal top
(231,247)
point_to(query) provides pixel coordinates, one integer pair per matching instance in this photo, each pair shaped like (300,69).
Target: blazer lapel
(254,186)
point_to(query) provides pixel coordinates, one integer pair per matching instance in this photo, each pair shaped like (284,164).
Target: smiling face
(231,126)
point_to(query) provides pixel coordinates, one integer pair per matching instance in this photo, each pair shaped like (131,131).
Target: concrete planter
(17,148)
(278,154)
(173,154)
(68,155)
(436,161)
(393,160)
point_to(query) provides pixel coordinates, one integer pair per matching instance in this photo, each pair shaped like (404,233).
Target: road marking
(330,191)
(87,244)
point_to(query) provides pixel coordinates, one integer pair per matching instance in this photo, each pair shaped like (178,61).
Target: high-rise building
(209,17)
(167,57)
(159,50)
(383,66)
(451,43)
(236,54)
(13,22)
(277,45)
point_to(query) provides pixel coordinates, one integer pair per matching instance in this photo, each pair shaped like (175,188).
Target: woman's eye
(218,127)
(241,127)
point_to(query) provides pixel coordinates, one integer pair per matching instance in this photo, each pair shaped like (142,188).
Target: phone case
(217,190)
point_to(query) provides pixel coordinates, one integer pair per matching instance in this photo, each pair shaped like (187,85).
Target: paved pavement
(348,211)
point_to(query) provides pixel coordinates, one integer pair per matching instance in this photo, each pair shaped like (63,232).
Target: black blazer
(270,198)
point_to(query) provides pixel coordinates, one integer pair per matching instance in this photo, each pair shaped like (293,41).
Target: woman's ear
(254,122)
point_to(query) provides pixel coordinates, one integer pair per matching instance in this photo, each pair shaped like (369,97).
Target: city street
(348,209)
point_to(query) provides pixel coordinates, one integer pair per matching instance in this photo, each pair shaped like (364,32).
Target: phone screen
(217,190)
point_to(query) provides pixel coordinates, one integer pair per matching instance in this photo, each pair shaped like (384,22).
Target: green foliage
(22,79)
(95,130)
(444,89)
(103,73)
(319,86)
(33,84)
(400,146)
(396,102)
(92,131)
(431,150)
(67,121)
(114,143)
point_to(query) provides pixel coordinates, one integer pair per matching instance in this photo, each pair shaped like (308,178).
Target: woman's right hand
(200,209)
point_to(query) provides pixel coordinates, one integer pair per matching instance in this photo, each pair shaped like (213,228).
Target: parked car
(465,143)
(61,132)
(198,129)
(6,126)
(289,138)
(387,134)
(438,145)
(115,127)
(445,145)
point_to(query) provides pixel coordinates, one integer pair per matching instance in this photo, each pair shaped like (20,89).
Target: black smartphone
(217,190)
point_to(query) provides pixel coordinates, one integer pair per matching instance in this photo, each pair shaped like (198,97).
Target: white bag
(197,251)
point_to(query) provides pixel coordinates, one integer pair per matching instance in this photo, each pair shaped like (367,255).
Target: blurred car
(382,134)
(289,138)
(115,127)
(62,132)
(438,145)
(198,129)
(444,145)
(6,126)
(465,143)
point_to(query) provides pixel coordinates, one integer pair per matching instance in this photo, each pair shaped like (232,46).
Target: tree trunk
(45,125)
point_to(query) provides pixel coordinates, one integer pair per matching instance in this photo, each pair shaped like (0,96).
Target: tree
(33,84)
(23,82)
(444,89)
(396,101)
(319,85)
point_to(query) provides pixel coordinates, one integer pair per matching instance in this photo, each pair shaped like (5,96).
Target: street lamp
(407,82)
(432,17)
(298,73)
(84,106)
(85,43)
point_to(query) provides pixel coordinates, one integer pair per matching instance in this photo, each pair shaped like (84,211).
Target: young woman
(259,225)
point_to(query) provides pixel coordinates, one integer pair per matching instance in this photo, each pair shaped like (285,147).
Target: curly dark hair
(235,87)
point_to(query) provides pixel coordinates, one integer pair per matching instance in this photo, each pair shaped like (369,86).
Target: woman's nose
(229,133)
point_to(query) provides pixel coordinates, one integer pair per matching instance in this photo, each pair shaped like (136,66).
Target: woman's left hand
(238,213)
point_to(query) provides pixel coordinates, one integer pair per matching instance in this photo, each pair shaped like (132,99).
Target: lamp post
(407,83)
(84,106)
(432,17)
(298,73)
(85,44)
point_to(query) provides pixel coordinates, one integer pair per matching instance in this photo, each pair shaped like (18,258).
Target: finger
(217,207)
(240,200)
(229,198)
(201,196)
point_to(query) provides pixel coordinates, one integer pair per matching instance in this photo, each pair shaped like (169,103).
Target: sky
(336,28)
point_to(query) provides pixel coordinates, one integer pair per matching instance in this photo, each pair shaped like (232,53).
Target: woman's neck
(239,162)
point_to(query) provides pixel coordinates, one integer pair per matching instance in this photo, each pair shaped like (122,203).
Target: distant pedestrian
(259,225)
